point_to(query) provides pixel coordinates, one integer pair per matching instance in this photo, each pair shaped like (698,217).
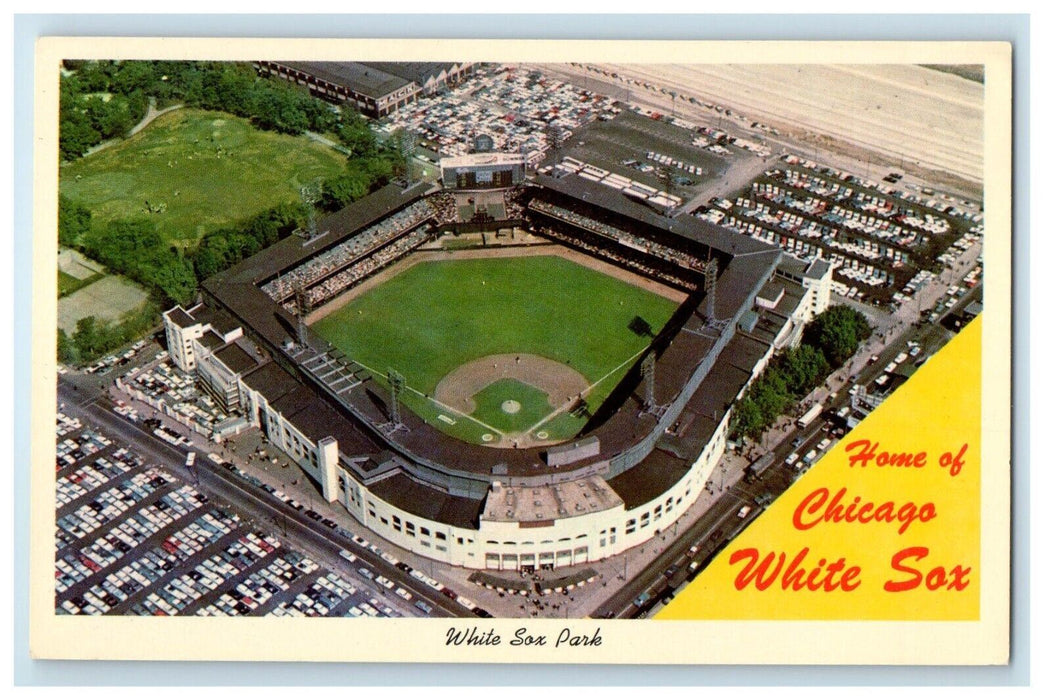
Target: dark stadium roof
(649,479)
(366,79)
(745,265)
(294,401)
(318,420)
(817,269)
(271,381)
(236,359)
(689,227)
(426,502)
(771,290)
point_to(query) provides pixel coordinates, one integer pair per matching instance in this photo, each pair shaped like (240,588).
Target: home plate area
(512,393)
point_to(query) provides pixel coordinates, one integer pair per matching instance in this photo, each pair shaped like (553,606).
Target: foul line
(554,414)
(439,403)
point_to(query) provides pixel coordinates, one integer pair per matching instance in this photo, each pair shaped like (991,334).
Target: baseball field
(503,351)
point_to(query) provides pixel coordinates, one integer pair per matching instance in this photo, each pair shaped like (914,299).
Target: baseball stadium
(495,372)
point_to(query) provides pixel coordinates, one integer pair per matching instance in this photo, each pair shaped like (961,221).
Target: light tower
(310,195)
(303,308)
(711,271)
(397,386)
(648,369)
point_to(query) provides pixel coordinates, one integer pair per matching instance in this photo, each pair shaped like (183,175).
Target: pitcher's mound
(511,406)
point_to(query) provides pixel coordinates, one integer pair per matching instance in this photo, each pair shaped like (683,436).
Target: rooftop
(533,504)
(366,79)
(236,358)
(427,502)
(418,72)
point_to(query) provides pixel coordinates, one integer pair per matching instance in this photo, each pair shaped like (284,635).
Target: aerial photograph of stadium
(474,340)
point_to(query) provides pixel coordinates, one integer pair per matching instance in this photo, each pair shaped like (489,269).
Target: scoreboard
(480,171)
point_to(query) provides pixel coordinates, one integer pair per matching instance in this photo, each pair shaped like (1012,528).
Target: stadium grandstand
(644,454)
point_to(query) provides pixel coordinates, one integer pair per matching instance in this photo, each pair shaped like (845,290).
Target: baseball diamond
(455,324)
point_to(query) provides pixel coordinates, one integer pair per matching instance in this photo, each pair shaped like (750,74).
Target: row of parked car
(423,578)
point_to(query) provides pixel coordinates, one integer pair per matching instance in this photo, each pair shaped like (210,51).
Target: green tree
(838,333)
(803,368)
(747,419)
(67,350)
(74,220)
(355,134)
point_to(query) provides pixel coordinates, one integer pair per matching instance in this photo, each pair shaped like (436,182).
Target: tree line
(104,99)
(828,341)
(99,100)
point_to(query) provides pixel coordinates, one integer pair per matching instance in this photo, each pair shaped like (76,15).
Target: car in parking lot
(744,511)
(791,459)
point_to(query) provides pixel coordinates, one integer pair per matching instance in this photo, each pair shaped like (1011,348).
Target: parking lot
(167,389)
(520,109)
(133,539)
(885,241)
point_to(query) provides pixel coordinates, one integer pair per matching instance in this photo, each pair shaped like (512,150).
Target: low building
(375,89)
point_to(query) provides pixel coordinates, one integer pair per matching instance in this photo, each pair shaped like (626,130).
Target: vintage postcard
(465,351)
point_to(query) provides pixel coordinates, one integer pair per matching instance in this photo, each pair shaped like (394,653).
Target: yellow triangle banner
(886,526)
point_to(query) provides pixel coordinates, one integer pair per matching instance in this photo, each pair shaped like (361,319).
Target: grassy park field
(192,170)
(436,316)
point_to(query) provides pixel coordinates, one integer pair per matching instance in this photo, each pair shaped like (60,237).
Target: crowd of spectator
(636,242)
(618,259)
(513,204)
(370,239)
(444,205)
(365,266)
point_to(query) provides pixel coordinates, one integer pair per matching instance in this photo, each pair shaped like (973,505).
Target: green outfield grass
(436,316)
(198,170)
